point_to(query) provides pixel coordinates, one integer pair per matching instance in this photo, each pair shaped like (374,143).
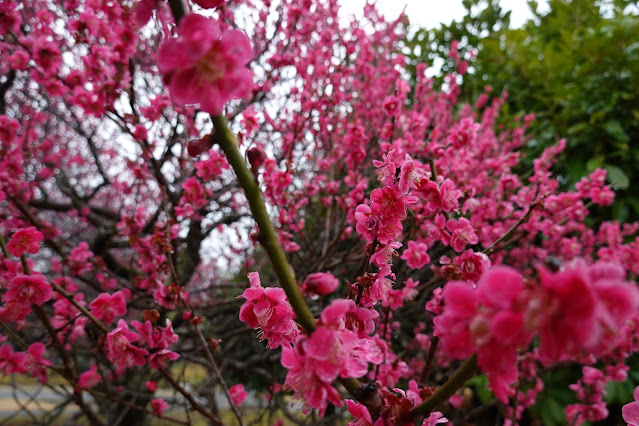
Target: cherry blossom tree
(240,184)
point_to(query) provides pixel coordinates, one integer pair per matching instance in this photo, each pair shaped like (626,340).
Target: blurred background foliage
(575,64)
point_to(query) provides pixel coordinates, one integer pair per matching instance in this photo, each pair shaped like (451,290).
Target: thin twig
(196,406)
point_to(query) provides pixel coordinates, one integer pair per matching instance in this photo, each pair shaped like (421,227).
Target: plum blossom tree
(175,176)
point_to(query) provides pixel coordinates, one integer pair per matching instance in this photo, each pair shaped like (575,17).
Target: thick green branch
(268,237)
(445,391)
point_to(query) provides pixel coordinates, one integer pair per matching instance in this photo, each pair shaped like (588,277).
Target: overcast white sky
(429,13)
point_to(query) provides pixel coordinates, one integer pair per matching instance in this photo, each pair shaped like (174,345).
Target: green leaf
(614,129)
(480,384)
(616,175)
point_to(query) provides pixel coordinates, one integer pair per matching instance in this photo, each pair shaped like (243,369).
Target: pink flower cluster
(24,291)
(31,361)
(580,309)
(339,347)
(488,320)
(396,402)
(268,310)
(204,65)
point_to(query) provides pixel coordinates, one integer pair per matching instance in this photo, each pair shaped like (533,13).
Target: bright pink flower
(409,176)
(435,418)
(452,326)
(331,351)
(107,306)
(385,170)
(416,255)
(360,412)
(320,283)
(388,202)
(90,378)
(238,393)
(25,240)
(204,66)
(376,288)
(79,259)
(630,411)
(160,359)
(120,349)
(462,233)
(583,308)
(211,167)
(392,105)
(269,310)
(159,405)
(12,362)
(36,363)
(490,320)
(27,289)
(385,253)
(303,380)
(151,385)
(193,191)
(156,337)
(367,223)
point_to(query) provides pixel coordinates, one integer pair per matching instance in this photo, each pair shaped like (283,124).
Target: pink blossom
(156,337)
(238,393)
(90,378)
(36,363)
(25,240)
(630,411)
(120,349)
(269,310)
(331,351)
(160,359)
(462,233)
(360,412)
(320,283)
(107,306)
(435,418)
(27,289)
(205,66)
(582,308)
(12,362)
(159,405)
(409,176)
(416,255)
(79,259)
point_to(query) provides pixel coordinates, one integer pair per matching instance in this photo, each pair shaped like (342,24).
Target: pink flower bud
(321,283)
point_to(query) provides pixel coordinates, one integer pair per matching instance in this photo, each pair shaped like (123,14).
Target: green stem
(268,237)
(445,391)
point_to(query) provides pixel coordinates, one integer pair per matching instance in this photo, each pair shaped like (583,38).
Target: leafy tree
(574,66)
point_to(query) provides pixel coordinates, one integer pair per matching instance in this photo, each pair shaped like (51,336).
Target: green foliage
(550,403)
(574,66)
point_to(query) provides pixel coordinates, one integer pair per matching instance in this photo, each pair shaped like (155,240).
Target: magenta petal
(500,286)
(236,84)
(171,56)
(237,47)
(321,344)
(460,299)
(630,413)
(187,86)
(507,327)
(199,33)
(213,103)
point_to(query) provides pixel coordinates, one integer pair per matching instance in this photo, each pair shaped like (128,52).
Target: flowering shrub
(157,160)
